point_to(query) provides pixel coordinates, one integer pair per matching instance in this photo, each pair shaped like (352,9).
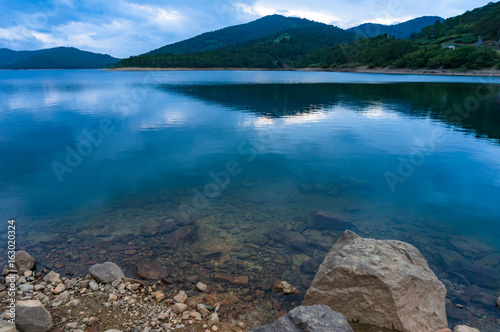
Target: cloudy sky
(128,27)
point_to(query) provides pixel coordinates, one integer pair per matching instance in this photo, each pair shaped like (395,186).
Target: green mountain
(54,58)
(279,50)
(301,43)
(465,28)
(401,31)
(230,36)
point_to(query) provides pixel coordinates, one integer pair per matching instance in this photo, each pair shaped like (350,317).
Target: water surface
(91,159)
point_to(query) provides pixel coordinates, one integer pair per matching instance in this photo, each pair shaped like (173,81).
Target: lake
(101,165)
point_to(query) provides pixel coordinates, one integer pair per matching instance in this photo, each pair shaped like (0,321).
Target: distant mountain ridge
(54,58)
(237,34)
(400,30)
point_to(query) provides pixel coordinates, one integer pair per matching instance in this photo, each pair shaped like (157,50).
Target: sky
(123,28)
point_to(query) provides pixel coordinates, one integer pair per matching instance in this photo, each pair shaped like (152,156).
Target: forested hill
(483,21)
(280,50)
(400,31)
(230,36)
(54,58)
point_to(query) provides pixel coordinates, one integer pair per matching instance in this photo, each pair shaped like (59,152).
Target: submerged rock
(284,287)
(480,275)
(311,265)
(323,219)
(31,316)
(363,278)
(317,318)
(180,237)
(106,272)
(295,240)
(238,280)
(151,270)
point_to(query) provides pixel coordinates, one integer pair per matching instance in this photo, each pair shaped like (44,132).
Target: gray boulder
(31,316)
(23,262)
(106,272)
(316,318)
(382,283)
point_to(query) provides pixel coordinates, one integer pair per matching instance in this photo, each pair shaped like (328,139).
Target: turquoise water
(94,158)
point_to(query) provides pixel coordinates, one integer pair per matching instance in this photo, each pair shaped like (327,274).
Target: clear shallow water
(88,157)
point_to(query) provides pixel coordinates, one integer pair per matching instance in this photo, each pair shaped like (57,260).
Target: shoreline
(361,70)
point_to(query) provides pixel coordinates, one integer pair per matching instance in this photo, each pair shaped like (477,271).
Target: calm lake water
(92,159)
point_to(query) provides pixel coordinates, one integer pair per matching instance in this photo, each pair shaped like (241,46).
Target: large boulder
(316,318)
(31,316)
(383,283)
(106,272)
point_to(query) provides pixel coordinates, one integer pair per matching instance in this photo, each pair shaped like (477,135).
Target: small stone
(181,297)
(159,296)
(26,287)
(163,316)
(51,277)
(28,273)
(180,307)
(215,328)
(112,298)
(202,310)
(59,289)
(213,319)
(73,303)
(39,287)
(93,321)
(63,297)
(464,328)
(284,287)
(193,279)
(202,287)
(195,314)
(106,272)
(117,282)
(72,326)
(93,285)
(498,303)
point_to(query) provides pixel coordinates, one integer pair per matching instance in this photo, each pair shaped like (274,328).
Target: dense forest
(448,44)
(238,34)
(278,51)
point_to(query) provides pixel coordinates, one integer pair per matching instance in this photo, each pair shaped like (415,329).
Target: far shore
(439,72)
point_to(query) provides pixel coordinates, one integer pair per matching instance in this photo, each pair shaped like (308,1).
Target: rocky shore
(383,285)
(105,300)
